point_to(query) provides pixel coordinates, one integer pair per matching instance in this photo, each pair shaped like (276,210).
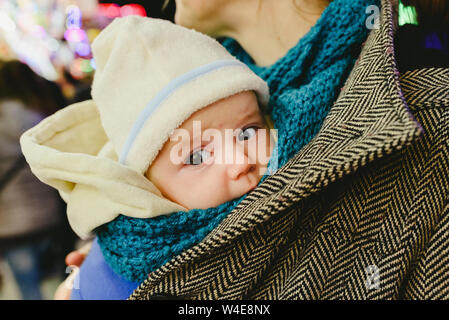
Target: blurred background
(46,64)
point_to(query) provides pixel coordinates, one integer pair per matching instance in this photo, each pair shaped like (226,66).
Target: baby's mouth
(254,182)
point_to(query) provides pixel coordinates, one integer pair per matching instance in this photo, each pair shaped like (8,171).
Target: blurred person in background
(34,233)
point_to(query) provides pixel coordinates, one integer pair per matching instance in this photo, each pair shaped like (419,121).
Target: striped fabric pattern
(361,212)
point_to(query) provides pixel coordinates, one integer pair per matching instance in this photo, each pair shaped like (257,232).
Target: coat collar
(369,120)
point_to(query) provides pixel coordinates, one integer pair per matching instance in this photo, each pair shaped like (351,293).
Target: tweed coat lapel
(369,120)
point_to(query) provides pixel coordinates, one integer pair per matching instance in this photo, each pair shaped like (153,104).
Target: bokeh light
(50,34)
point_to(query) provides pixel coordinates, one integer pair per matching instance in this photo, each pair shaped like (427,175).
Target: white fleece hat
(152,75)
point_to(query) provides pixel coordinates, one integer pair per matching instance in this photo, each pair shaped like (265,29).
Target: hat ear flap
(77,132)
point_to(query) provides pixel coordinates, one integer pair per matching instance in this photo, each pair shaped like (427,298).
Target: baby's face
(220,161)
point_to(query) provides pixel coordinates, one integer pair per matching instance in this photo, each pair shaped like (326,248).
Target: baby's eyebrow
(251,115)
(201,137)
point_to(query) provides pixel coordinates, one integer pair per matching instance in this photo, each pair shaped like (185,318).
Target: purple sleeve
(97,281)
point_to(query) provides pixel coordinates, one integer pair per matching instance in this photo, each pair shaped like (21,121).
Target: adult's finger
(76,258)
(64,290)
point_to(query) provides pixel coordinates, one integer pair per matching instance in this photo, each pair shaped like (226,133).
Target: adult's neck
(268,29)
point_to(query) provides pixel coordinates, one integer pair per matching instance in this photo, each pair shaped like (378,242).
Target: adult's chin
(184,17)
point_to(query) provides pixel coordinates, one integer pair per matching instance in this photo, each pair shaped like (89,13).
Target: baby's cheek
(214,190)
(202,190)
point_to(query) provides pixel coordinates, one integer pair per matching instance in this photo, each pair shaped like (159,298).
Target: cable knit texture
(303,86)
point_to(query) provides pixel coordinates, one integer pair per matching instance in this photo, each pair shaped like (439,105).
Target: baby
(210,177)
(175,124)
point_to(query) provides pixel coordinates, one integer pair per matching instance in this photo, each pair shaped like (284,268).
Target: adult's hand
(73,260)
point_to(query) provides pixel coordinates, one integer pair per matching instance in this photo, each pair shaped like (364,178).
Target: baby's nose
(238,170)
(240,165)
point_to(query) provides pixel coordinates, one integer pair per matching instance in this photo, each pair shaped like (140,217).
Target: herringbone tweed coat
(361,212)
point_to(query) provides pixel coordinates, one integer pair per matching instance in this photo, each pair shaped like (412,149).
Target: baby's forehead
(228,113)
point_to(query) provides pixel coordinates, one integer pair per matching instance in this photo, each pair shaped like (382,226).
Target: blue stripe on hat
(165,93)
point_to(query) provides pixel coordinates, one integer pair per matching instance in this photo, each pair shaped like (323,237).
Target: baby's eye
(247,133)
(197,157)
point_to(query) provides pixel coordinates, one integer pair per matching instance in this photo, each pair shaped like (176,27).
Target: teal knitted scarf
(303,86)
